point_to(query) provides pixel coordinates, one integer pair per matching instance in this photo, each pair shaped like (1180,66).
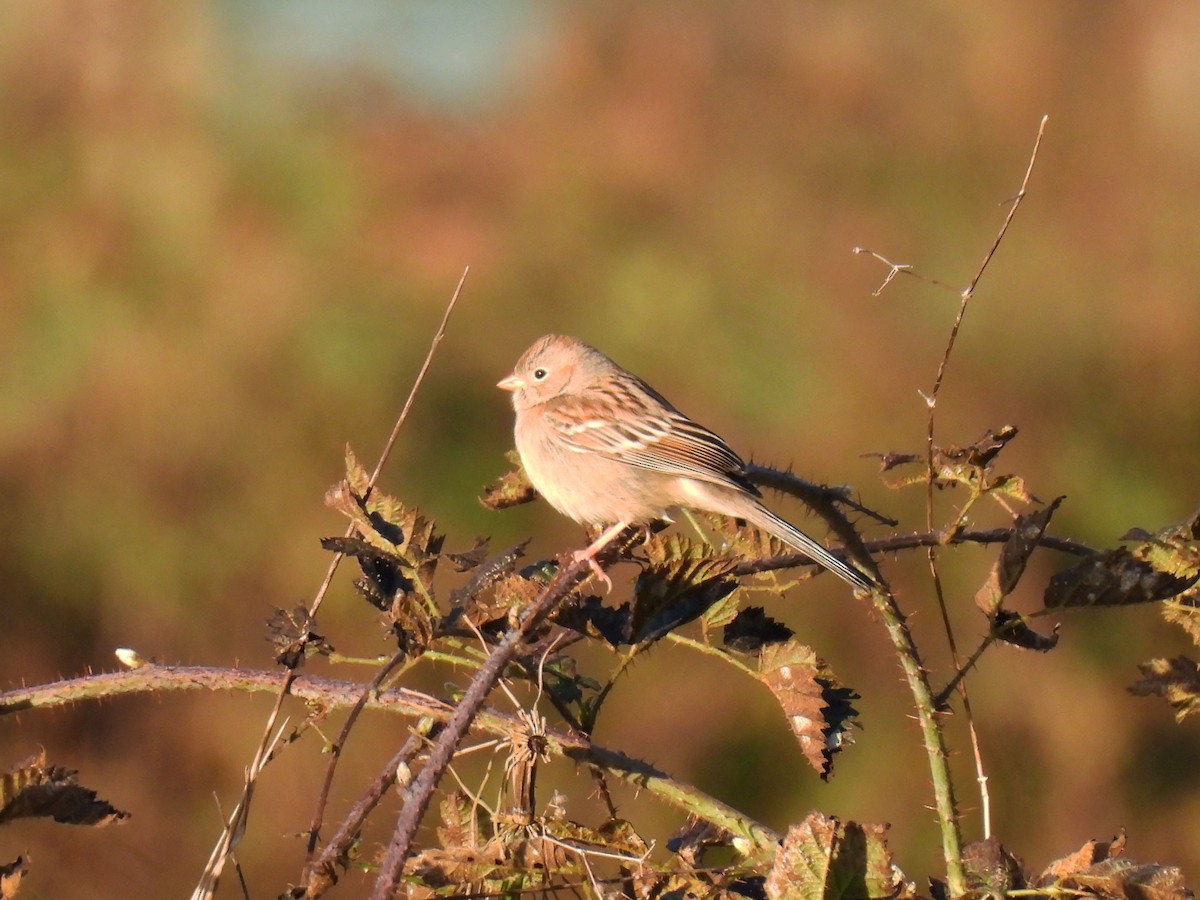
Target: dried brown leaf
(458,828)
(10,877)
(983,452)
(490,574)
(460,868)
(1026,534)
(892,460)
(817,707)
(696,836)
(357,478)
(991,869)
(511,489)
(1145,881)
(1126,879)
(1082,859)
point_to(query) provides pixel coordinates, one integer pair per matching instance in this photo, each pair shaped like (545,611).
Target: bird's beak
(510,383)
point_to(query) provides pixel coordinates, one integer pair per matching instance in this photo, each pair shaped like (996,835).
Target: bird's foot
(581,555)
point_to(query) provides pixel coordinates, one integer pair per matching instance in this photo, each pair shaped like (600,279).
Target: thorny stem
(420,792)
(322,873)
(236,824)
(931,732)
(335,755)
(955,878)
(951,840)
(752,838)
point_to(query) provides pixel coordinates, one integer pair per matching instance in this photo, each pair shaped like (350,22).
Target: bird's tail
(794,537)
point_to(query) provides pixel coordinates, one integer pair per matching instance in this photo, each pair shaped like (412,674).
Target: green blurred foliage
(217,267)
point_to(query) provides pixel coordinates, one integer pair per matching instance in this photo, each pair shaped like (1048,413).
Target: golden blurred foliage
(222,259)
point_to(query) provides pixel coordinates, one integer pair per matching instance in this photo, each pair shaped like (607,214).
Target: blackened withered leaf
(892,460)
(981,453)
(469,559)
(387,524)
(1112,578)
(561,678)
(291,633)
(591,617)
(1013,629)
(1007,571)
(35,789)
(752,628)
(1175,680)
(673,609)
(385,574)
(817,707)
(490,573)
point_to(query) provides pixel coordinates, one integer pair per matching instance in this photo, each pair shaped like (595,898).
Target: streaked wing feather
(654,435)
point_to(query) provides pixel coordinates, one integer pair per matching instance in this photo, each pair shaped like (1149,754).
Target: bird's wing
(628,421)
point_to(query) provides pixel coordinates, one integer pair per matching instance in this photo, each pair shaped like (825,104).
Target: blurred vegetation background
(228,229)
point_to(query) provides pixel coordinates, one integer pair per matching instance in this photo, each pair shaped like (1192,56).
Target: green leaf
(822,860)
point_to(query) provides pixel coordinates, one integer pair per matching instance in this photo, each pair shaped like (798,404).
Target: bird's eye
(539,374)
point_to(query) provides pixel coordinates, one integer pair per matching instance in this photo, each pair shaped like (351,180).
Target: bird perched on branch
(607,450)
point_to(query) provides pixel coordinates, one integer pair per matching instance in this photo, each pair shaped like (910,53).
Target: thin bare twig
(930,450)
(391,441)
(895,269)
(236,824)
(909,541)
(322,873)
(335,755)
(955,875)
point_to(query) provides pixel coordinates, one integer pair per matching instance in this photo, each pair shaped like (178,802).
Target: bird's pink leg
(589,552)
